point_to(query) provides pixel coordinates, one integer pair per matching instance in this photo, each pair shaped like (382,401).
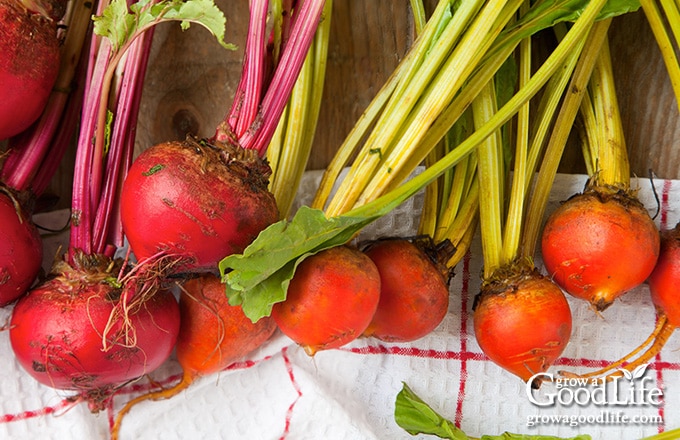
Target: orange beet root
(665,278)
(414,292)
(599,245)
(331,299)
(213,334)
(522,323)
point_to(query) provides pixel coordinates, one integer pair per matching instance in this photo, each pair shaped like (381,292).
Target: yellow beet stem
(274,150)
(586,127)
(456,109)
(670,8)
(545,114)
(602,122)
(419,16)
(410,151)
(613,148)
(361,127)
(276,15)
(290,150)
(453,112)
(451,202)
(409,92)
(352,142)
(350,146)
(454,198)
(432,200)
(513,223)
(463,244)
(572,41)
(491,180)
(465,220)
(458,67)
(656,22)
(558,139)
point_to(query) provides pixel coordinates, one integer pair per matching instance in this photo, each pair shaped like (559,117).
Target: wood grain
(648,106)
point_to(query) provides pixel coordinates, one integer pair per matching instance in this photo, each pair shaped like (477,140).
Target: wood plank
(648,106)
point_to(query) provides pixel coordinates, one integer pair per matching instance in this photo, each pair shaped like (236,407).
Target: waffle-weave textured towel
(279,392)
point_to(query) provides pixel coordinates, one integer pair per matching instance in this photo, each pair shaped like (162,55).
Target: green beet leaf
(121,25)
(416,417)
(511,436)
(259,278)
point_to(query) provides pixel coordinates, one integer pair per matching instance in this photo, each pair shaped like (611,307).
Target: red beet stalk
(304,22)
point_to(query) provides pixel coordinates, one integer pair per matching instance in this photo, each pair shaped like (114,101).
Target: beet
(21,250)
(196,200)
(213,334)
(29,61)
(414,290)
(62,334)
(331,299)
(522,322)
(663,289)
(600,244)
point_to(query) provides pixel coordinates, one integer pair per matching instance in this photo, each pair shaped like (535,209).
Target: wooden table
(191,80)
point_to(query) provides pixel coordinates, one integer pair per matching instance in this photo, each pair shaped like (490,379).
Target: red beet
(21,250)
(522,322)
(29,61)
(204,200)
(330,300)
(57,332)
(599,244)
(196,201)
(414,291)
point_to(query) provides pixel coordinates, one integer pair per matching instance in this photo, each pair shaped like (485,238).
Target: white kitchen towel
(279,392)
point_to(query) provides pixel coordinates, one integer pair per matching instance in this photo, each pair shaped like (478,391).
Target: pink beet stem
(255,130)
(87,176)
(107,225)
(305,22)
(95,227)
(29,148)
(63,138)
(247,98)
